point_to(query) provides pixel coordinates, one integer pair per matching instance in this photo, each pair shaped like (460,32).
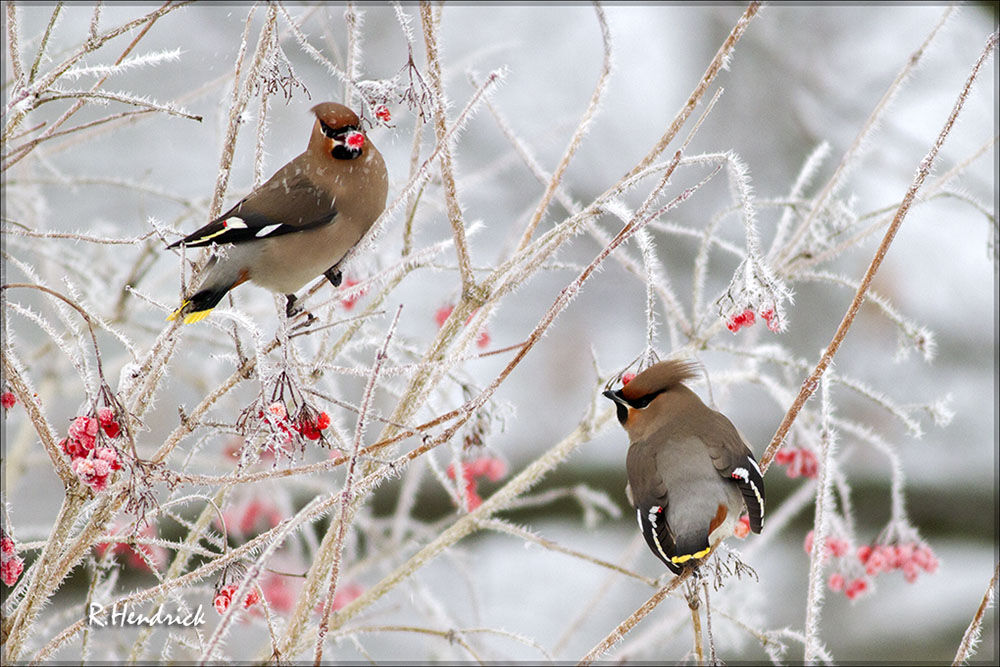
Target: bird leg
(333,275)
(291,310)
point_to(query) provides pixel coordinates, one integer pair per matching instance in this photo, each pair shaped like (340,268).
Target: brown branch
(625,626)
(965,647)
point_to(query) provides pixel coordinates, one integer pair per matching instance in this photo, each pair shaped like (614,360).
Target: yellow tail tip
(189,318)
(686,557)
(196,316)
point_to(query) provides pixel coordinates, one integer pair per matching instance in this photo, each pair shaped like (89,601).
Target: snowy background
(800,76)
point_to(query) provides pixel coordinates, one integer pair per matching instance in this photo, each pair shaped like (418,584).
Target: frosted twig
(528,536)
(809,386)
(625,626)
(347,498)
(821,523)
(447,168)
(850,157)
(967,647)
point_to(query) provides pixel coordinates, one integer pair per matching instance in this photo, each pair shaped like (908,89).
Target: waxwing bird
(690,473)
(300,223)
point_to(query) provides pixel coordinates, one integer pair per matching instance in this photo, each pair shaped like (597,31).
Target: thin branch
(347,497)
(966,648)
(447,169)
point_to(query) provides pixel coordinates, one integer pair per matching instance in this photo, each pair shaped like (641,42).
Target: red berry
(348,302)
(8,400)
(837,546)
(442,314)
(355,140)
(322,421)
(742,527)
(308,430)
(382,113)
(856,588)
(223,598)
(253,597)
(10,570)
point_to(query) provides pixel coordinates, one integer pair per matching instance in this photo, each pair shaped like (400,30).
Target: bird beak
(613,395)
(621,407)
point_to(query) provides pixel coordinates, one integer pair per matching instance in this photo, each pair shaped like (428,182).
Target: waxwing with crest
(300,223)
(690,472)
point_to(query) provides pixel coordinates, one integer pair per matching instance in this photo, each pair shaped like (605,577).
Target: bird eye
(327,130)
(644,401)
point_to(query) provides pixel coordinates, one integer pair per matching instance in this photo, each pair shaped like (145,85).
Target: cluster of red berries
(490,468)
(8,400)
(910,557)
(444,312)
(801,462)
(308,426)
(224,597)
(92,464)
(382,113)
(11,565)
(747,319)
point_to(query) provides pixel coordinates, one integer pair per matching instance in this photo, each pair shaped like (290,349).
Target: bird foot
(334,276)
(292,311)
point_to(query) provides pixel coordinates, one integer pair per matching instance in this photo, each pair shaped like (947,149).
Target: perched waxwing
(690,473)
(301,222)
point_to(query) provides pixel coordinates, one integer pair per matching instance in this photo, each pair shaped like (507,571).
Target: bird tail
(199,306)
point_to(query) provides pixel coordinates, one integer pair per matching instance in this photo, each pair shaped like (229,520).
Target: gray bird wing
(733,460)
(650,499)
(289,202)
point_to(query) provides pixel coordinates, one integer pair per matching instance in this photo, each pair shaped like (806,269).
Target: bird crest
(660,377)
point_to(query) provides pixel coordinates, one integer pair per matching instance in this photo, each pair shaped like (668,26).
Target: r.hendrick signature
(121,617)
